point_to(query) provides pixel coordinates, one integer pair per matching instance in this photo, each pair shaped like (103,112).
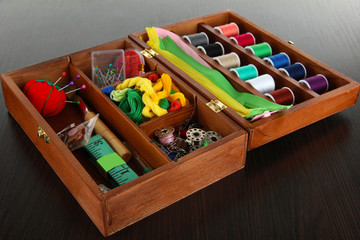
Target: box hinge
(42,134)
(149,53)
(216,105)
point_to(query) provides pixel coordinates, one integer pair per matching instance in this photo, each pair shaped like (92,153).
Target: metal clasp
(149,53)
(216,105)
(42,134)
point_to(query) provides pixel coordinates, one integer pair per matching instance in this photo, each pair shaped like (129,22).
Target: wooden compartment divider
(309,106)
(169,181)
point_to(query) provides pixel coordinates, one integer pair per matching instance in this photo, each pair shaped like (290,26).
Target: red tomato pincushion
(45,97)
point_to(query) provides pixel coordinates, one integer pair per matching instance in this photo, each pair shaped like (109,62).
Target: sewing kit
(133,125)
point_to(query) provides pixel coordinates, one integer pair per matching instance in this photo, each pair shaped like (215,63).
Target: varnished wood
(305,111)
(145,193)
(301,186)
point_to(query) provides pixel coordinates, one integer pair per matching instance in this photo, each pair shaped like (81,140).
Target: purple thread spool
(317,83)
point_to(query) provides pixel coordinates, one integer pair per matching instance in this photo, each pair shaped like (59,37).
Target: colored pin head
(71,83)
(82,87)
(62,75)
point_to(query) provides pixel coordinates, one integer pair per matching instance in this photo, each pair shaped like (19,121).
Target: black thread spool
(197,39)
(212,49)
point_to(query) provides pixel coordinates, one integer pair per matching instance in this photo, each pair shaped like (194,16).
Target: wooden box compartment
(167,183)
(309,106)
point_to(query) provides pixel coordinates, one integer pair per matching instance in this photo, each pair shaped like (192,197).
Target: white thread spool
(264,83)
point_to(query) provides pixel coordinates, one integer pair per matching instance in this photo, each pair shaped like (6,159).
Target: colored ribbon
(181,44)
(247,105)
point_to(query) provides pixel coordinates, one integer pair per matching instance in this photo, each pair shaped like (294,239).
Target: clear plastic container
(108,67)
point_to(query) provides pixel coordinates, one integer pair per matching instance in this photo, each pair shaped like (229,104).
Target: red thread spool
(45,97)
(246,39)
(283,96)
(133,62)
(228,30)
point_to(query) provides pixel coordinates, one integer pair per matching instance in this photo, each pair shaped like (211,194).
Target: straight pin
(71,83)
(82,87)
(62,75)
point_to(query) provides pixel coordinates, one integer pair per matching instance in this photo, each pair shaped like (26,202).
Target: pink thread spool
(228,30)
(165,135)
(244,40)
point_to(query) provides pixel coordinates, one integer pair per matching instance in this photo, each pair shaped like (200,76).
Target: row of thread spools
(263,83)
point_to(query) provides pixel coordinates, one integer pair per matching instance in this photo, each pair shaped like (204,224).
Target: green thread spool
(246,72)
(260,50)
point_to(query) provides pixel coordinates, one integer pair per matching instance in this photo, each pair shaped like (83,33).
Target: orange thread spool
(228,30)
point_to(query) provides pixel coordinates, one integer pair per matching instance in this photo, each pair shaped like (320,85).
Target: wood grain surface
(305,185)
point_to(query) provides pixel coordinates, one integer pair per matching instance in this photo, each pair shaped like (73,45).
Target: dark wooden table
(303,186)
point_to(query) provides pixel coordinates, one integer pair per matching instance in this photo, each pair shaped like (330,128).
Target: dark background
(303,186)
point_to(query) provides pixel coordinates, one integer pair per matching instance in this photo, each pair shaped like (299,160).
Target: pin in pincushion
(45,97)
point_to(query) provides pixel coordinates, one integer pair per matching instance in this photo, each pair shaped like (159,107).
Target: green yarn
(164,103)
(118,95)
(172,91)
(132,105)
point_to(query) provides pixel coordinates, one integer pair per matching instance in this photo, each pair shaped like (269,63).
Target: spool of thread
(165,135)
(167,140)
(228,30)
(317,83)
(264,83)
(230,60)
(212,49)
(297,71)
(179,145)
(279,60)
(246,72)
(197,39)
(246,39)
(260,50)
(283,96)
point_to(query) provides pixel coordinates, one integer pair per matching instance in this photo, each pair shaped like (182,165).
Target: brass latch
(291,42)
(149,53)
(216,105)
(42,134)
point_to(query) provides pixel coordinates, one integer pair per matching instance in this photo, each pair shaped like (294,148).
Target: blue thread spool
(279,60)
(246,72)
(297,71)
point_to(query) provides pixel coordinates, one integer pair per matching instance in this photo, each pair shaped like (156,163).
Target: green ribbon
(257,104)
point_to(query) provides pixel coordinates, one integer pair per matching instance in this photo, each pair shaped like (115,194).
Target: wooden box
(309,106)
(169,181)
